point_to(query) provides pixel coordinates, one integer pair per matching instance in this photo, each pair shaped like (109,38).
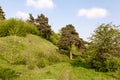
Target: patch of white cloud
(22,15)
(93,13)
(41,4)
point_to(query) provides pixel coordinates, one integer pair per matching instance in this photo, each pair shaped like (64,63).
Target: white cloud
(22,15)
(41,4)
(93,13)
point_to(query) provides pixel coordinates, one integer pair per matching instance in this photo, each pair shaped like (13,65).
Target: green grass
(63,71)
(22,54)
(89,74)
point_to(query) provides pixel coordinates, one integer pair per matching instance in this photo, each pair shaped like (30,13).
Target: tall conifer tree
(2,15)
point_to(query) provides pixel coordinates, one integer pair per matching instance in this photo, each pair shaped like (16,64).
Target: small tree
(106,48)
(69,37)
(2,15)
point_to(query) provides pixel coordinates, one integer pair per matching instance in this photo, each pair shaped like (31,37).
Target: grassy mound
(32,51)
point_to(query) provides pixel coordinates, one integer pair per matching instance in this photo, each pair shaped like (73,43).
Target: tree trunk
(71,54)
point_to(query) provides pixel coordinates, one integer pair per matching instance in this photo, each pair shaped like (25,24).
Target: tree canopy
(69,37)
(41,23)
(105,43)
(2,15)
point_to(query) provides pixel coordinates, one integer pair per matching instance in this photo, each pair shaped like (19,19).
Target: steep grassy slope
(12,48)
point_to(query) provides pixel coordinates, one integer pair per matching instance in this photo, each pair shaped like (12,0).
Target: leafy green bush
(105,65)
(114,64)
(16,27)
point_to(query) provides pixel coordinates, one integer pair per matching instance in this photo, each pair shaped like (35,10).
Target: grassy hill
(34,58)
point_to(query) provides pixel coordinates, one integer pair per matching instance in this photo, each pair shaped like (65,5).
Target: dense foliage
(41,22)
(16,27)
(104,49)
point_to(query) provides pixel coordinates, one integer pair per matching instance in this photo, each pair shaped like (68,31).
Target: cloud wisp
(40,4)
(22,15)
(93,13)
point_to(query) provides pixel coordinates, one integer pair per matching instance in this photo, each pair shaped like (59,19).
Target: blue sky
(85,15)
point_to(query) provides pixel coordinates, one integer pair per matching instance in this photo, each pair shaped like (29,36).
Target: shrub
(114,64)
(105,64)
(16,27)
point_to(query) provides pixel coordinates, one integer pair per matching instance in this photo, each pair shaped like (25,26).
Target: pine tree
(2,15)
(69,37)
(31,19)
(41,23)
(43,26)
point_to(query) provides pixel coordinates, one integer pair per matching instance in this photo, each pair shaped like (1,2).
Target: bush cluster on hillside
(16,27)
